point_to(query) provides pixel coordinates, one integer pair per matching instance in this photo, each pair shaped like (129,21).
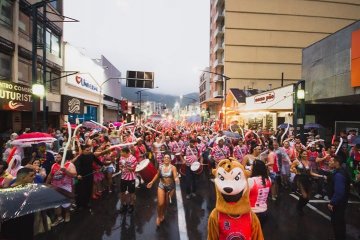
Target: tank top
(164,174)
(229,227)
(303,170)
(258,194)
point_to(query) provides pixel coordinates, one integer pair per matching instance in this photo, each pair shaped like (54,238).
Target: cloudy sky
(168,37)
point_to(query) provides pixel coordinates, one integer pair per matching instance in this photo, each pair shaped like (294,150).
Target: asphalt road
(189,219)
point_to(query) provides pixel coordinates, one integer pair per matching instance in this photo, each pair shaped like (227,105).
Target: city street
(283,222)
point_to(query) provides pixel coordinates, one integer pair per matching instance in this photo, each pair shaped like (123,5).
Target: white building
(91,93)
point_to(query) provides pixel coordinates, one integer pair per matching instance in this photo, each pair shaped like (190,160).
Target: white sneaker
(326,198)
(188,196)
(193,195)
(317,196)
(212,180)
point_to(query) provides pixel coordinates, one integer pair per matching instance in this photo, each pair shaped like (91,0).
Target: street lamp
(299,114)
(38,90)
(139,93)
(225,79)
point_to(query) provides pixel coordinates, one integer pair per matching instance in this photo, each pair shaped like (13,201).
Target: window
(52,85)
(52,43)
(24,71)
(55,45)
(5,66)
(39,34)
(57,5)
(24,24)
(6,13)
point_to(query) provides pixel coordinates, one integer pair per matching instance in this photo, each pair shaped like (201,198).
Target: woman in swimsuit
(301,167)
(168,177)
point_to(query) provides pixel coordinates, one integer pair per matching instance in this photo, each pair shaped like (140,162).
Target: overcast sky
(168,37)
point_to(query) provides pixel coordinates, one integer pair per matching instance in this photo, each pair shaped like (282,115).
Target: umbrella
(312,125)
(117,124)
(356,140)
(284,125)
(91,125)
(193,119)
(27,139)
(30,198)
(231,134)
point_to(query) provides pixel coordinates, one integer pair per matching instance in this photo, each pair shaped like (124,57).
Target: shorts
(273,176)
(127,185)
(109,169)
(167,188)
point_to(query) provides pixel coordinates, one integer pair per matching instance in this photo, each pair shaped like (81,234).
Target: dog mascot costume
(232,217)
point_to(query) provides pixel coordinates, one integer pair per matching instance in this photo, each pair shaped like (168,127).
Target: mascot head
(232,191)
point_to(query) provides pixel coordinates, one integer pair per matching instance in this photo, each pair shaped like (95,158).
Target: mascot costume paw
(232,217)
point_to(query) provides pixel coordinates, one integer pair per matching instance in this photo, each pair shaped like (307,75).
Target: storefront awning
(111,107)
(213,100)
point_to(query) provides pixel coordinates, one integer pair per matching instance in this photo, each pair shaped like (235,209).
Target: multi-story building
(204,94)
(15,63)
(258,44)
(94,92)
(331,70)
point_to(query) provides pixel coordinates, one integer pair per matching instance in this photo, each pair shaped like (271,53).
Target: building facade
(15,63)
(331,70)
(258,44)
(92,92)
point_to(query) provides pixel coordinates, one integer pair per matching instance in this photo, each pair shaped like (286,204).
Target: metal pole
(225,103)
(140,107)
(44,68)
(295,109)
(302,113)
(33,64)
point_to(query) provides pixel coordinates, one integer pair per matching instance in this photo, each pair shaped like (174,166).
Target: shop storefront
(268,109)
(92,85)
(15,106)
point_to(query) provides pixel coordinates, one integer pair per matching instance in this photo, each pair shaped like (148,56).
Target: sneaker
(317,196)
(326,198)
(123,208)
(67,217)
(188,196)
(130,209)
(212,180)
(273,198)
(57,222)
(193,195)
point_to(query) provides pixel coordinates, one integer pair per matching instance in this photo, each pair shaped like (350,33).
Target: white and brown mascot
(232,217)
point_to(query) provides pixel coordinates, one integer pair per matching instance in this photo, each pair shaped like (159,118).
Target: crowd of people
(275,161)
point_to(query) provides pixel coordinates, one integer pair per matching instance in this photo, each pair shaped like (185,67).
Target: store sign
(263,98)
(15,97)
(72,105)
(85,83)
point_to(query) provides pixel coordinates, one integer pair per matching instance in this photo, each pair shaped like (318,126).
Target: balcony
(219,47)
(217,94)
(219,16)
(218,78)
(219,31)
(218,63)
(218,3)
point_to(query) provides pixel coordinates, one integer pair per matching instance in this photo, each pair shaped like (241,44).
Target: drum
(196,167)
(183,169)
(146,170)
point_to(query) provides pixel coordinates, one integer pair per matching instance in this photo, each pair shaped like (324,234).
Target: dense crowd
(172,151)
